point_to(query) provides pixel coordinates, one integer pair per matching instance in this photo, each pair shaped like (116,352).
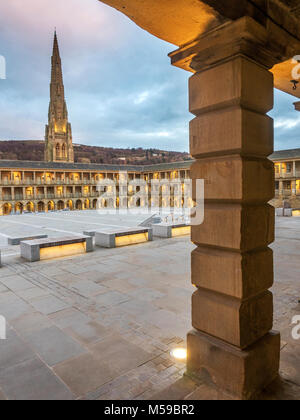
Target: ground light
(179,353)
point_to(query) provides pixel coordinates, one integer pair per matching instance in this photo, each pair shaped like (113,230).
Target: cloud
(286,122)
(120,87)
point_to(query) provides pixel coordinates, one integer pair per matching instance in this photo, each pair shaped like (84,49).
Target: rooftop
(17,164)
(286,154)
(102,325)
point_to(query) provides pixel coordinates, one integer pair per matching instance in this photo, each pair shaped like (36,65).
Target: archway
(60,205)
(51,206)
(86,204)
(95,204)
(69,204)
(78,205)
(57,151)
(19,208)
(40,207)
(30,207)
(7,208)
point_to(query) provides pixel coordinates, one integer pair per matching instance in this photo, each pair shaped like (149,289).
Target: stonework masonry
(58,136)
(41,186)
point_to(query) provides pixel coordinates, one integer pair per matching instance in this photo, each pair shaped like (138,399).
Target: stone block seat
(44,249)
(169,230)
(89,233)
(112,238)
(15,240)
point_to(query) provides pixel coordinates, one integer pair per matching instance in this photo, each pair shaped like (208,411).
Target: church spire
(58,137)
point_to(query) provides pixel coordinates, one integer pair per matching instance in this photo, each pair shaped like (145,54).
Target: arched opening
(7,209)
(51,206)
(19,208)
(95,204)
(60,205)
(30,207)
(64,151)
(78,205)
(40,207)
(104,203)
(69,205)
(86,204)
(57,151)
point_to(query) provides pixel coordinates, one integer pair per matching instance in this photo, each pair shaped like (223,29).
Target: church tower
(58,137)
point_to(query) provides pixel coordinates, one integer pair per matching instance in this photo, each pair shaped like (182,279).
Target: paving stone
(31,322)
(2,396)
(53,346)
(32,293)
(68,318)
(49,304)
(122,355)
(85,373)
(32,380)
(111,299)
(15,283)
(88,288)
(88,332)
(13,350)
(126,333)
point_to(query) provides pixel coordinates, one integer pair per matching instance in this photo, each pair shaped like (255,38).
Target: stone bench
(17,240)
(44,249)
(284,212)
(89,233)
(167,230)
(112,238)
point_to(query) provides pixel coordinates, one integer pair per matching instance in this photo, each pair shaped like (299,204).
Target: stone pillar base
(241,374)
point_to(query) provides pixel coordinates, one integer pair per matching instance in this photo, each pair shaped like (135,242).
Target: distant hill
(34,150)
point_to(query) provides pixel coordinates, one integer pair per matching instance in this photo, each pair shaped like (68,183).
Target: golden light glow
(296,213)
(137,238)
(179,353)
(62,251)
(16,175)
(181,231)
(60,128)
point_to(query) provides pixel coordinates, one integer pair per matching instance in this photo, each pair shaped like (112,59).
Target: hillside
(34,150)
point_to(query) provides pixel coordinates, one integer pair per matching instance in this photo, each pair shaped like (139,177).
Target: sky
(120,88)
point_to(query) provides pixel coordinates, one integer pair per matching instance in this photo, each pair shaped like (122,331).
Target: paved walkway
(101,325)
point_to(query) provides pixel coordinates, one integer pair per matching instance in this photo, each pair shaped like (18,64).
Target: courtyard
(102,325)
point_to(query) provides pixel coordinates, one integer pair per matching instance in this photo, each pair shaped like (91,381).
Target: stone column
(280,188)
(232,266)
(293,188)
